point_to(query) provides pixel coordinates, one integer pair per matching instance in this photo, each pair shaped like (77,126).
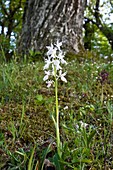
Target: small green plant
(3,58)
(18,159)
(39,100)
(35,56)
(23,159)
(18,132)
(31,160)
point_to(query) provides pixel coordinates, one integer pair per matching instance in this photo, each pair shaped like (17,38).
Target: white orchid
(56,64)
(51,51)
(61,75)
(48,62)
(53,67)
(58,45)
(49,83)
(61,58)
(47,74)
(54,61)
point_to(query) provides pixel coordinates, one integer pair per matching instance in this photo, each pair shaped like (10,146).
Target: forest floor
(86,116)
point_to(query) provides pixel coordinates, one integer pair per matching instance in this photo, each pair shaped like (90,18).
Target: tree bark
(47,21)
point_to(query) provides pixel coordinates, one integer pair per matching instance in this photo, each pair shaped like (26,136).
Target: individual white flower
(61,75)
(66,107)
(51,51)
(61,57)
(48,62)
(80,126)
(47,74)
(58,45)
(56,64)
(53,55)
(49,83)
(83,125)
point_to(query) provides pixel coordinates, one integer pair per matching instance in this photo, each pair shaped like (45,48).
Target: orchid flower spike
(53,63)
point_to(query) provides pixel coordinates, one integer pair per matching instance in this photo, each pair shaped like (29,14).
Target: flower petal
(45,77)
(63,79)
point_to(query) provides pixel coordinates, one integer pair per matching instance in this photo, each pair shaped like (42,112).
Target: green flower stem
(57,117)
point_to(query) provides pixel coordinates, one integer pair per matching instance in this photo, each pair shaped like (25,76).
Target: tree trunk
(46,21)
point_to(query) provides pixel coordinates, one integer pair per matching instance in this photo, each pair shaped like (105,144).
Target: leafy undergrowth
(27,133)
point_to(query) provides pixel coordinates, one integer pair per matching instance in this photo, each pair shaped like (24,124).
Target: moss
(81,56)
